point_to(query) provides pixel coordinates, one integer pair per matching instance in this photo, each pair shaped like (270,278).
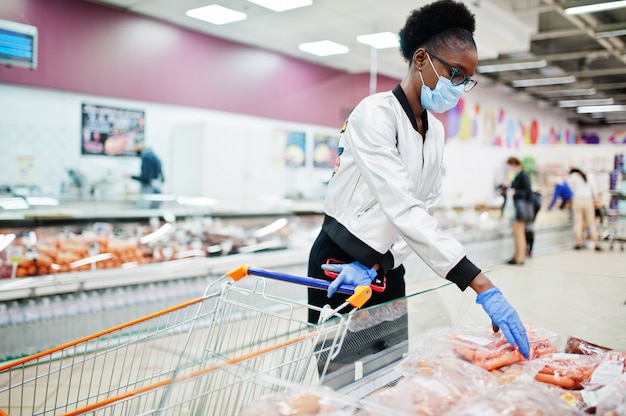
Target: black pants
(325,248)
(371,341)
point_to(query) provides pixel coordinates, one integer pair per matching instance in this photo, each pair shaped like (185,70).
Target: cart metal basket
(235,328)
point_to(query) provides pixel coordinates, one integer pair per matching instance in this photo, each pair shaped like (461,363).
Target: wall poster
(111,131)
(295,148)
(325,151)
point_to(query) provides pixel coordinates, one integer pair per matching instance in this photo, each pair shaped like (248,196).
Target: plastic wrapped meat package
(489,350)
(420,395)
(614,403)
(569,371)
(581,381)
(313,401)
(515,399)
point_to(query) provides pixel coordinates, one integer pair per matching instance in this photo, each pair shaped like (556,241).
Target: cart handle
(360,294)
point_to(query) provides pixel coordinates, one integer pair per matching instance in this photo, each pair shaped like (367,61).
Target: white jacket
(387,179)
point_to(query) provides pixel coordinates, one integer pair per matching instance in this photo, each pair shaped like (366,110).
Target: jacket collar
(398,92)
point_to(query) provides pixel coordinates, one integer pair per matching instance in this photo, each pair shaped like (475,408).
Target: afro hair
(437,24)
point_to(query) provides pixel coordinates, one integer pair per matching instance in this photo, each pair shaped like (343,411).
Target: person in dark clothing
(522,201)
(529,228)
(150,178)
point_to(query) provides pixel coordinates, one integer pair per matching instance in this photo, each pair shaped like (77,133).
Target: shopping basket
(236,321)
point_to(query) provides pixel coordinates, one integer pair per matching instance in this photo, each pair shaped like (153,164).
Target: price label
(15,254)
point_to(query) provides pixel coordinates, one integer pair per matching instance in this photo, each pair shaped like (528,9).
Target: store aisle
(575,293)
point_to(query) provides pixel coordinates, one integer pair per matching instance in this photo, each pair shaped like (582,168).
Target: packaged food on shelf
(310,401)
(569,371)
(515,399)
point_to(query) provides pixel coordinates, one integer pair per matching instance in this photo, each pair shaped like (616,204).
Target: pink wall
(88,48)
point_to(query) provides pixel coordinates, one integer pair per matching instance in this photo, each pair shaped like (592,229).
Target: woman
(389,173)
(583,208)
(524,211)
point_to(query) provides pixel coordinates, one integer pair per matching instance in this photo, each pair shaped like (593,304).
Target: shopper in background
(563,192)
(389,175)
(529,227)
(522,195)
(583,207)
(151,176)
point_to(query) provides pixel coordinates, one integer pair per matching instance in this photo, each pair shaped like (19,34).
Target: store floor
(578,293)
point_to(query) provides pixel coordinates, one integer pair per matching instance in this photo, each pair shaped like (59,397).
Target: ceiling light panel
(574,92)
(534,82)
(611,33)
(216,14)
(382,40)
(593,8)
(601,108)
(282,5)
(578,103)
(323,48)
(511,66)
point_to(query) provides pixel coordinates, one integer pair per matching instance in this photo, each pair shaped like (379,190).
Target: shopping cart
(615,230)
(236,324)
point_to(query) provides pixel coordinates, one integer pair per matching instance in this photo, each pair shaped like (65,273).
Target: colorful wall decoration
(489,124)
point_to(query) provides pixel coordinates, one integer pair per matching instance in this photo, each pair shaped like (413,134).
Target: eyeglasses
(457,77)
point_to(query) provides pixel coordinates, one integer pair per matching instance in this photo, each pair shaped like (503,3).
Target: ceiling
(507,31)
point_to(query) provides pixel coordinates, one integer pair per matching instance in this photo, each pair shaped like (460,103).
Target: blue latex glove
(354,274)
(505,317)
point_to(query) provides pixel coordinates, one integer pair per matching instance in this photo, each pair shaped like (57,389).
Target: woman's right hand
(353,274)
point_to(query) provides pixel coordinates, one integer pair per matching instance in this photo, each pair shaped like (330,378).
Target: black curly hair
(441,24)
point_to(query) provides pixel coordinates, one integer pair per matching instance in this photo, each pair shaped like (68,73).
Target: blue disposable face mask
(445,95)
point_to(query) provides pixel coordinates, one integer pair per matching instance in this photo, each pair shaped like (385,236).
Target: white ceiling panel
(507,30)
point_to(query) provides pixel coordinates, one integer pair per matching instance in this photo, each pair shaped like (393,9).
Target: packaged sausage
(568,371)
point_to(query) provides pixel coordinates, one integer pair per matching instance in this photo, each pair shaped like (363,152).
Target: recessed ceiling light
(512,66)
(609,33)
(592,8)
(601,108)
(578,103)
(282,5)
(534,82)
(324,48)
(216,14)
(574,92)
(380,40)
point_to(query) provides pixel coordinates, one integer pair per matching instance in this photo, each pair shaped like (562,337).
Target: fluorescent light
(13,203)
(512,66)
(282,5)
(578,92)
(155,235)
(91,260)
(592,8)
(323,48)
(610,33)
(534,82)
(601,108)
(41,200)
(578,103)
(215,14)
(5,240)
(197,201)
(380,40)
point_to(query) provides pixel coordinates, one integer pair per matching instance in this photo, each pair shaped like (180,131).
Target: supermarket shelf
(149,273)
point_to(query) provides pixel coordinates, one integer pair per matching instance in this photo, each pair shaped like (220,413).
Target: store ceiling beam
(581,23)
(585,30)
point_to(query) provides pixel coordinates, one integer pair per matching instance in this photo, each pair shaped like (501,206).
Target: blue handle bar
(307,281)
